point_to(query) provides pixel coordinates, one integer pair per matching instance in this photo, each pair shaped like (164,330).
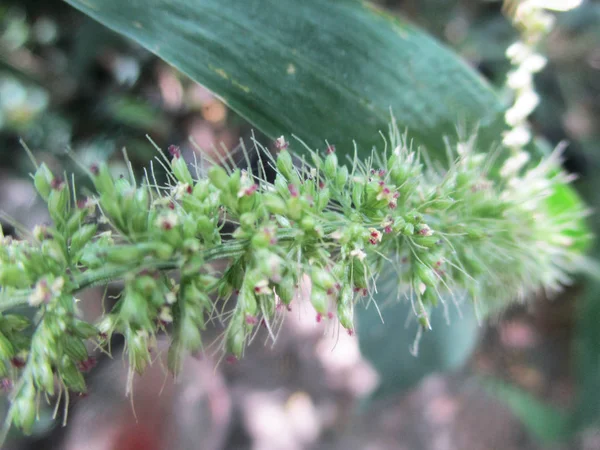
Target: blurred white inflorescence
(534,21)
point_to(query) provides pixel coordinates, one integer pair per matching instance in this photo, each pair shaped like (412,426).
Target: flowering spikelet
(460,229)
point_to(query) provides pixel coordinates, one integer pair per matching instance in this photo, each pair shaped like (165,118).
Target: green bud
(341,178)
(103,180)
(357,194)
(475,233)
(75,348)
(201,190)
(247,302)
(81,237)
(236,338)
(7,350)
(139,354)
(323,198)
(274,203)
(359,274)
(43,181)
(345,315)
(317,160)
(294,207)
(308,223)
(175,357)
(281,186)
(319,300)
(285,290)
(123,186)
(189,334)
(414,217)
(330,166)
(248,221)
(84,330)
(426,241)
(399,223)
(322,278)
(53,250)
(145,284)
(43,376)
(399,174)
(408,229)
(161,250)
(425,274)
(71,376)
(225,290)
(204,226)
(134,309)
(219,178)
(181,171)
(124,254)
(12,276)
(14,322)
(58,201)
(284,164)
(23,409)
(261,240)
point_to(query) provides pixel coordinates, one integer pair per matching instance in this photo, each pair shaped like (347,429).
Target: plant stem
(110,273)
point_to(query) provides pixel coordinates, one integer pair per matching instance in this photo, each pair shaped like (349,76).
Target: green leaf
(320,69)
(386,345)
(545,422)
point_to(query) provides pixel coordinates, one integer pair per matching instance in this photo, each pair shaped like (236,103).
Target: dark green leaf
(387,345)
(321,69)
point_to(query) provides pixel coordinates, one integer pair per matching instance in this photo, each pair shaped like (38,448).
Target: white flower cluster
(534,22)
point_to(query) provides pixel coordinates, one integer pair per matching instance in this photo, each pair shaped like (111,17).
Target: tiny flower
(262,287)
(180,190)
(358,254)
(41,294)
(57,184)
(174,151)
(165,315)
(251,320)
(247,191)
(281,143)
(40,232)
(170,298)
(293,190)
(375,236)
(167,221)
(425,230)
(330,149)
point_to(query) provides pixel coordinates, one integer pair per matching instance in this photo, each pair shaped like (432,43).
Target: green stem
(109,273)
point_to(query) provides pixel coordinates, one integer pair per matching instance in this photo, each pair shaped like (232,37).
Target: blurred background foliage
(70,85)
